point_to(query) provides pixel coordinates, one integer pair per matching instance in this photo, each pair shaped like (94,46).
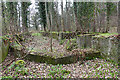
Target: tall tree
(76,17)
(15,15)
(68,25)
(9,6)
(94,28)
(19,14)
(108,15)
(11,14)
(42,12)
(56,16)
(47,15)
(24,7)
(35,19)
(4,29)
(118,29)
(84,13)
(51,24)
(62,19)
(110,9)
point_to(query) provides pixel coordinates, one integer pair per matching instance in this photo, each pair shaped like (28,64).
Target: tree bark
(51,16)
(47,16)
(19,17)
(24,16)
(62,20)
(76,19)
(4,29)
(57,17)
(68,17)
(118,29)
(108,14)
(15,16)
(94,28)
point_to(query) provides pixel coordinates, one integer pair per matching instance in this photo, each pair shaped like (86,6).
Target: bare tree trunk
(15,16)
(47,16)
(94,28)
(19,17)
(105,21)
(51,7)
(57,25)
(29,18)
(118,29)
(76,20)
(3,19)
(99,17)
(108,16)
(68,21)
(62,20)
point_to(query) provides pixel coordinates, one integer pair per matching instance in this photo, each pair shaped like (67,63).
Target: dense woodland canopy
(56,16)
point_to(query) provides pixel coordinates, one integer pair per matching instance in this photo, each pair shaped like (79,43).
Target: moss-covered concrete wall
(4,50)
(60,35)
(106,44)
(84,41)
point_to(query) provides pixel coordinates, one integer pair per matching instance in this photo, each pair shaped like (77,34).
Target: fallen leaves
(85,70)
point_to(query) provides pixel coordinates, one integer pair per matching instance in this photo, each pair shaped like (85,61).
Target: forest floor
(96,68)
(39,44)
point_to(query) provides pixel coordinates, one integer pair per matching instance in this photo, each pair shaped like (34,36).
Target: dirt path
(41,44)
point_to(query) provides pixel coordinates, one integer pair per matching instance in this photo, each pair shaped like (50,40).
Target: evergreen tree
(11,15)
(42,12)
(24,7)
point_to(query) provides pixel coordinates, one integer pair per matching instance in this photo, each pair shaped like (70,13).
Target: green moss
(68,45)
(61,32)
(62,41)
(74,40)
(54,32)
(106,34)
(55,35)
(36,34)
(84,34)
(95,32)
(6,37)
(33,51)
(42,31)
(71,44)
(67,32)
(58,32)
(1,37)
(20,62)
